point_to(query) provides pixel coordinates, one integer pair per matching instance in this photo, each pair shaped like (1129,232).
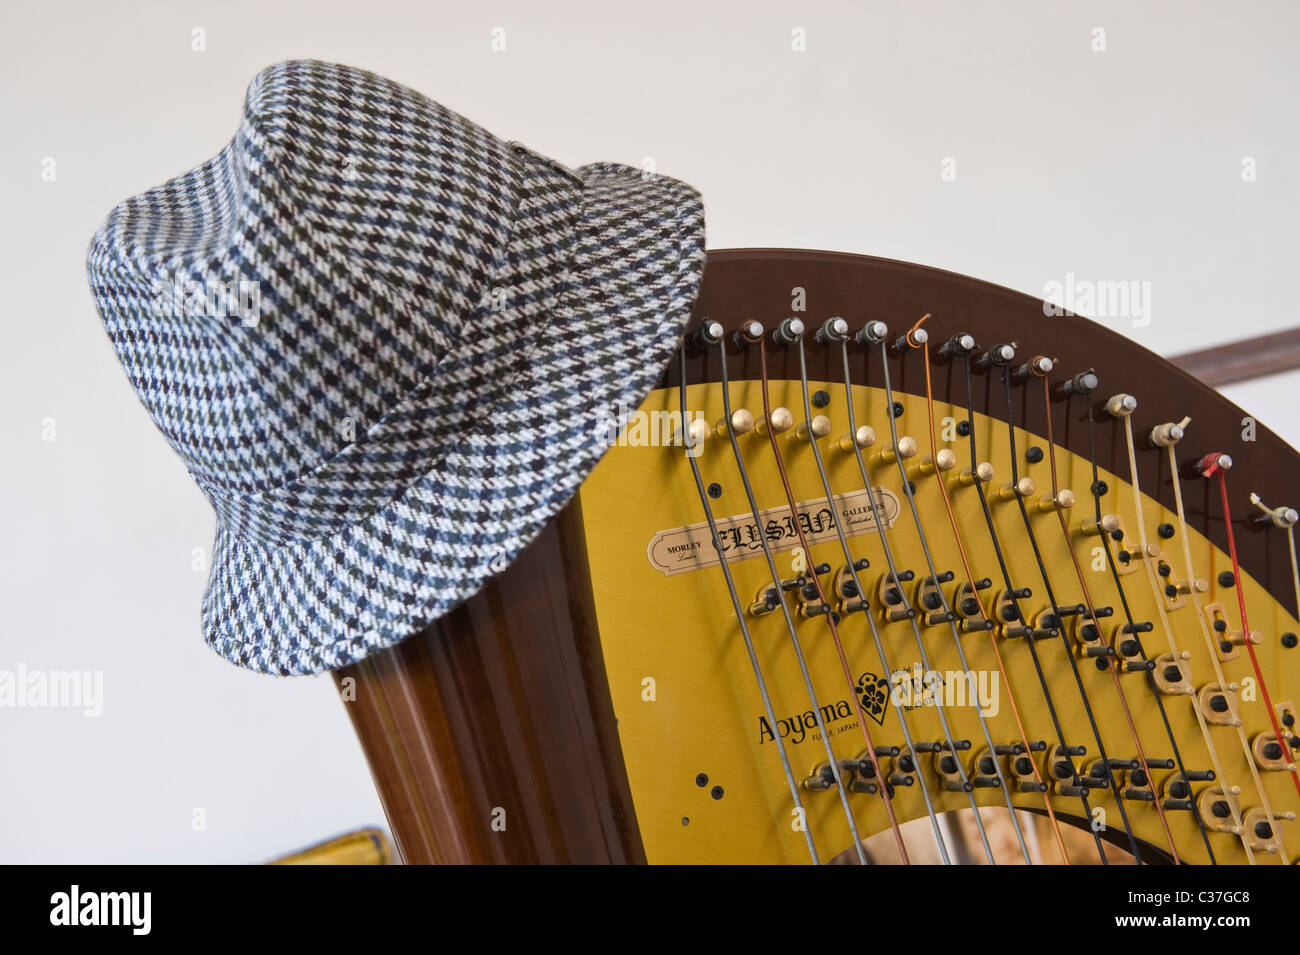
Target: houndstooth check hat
(379,337)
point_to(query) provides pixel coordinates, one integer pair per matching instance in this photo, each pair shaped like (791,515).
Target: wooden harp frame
(503,706)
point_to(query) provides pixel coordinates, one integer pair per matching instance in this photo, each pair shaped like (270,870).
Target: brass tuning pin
(1108,525)
(1025,487)
(945,460)
(742,422)
(698,432)
(906,448)
(863,437)
(982,472)
(782,420)
(1064,500)
(819,428)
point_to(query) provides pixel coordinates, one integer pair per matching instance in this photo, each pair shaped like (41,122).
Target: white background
(1115,165)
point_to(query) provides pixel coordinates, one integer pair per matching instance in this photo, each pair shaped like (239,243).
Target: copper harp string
(792,631)
(1163,613)
(1014,595)
(1210,468)
(909,338)
(1059,628)
(740,619)
(1111,666)
(989,625)
(883,783)
(1214,658)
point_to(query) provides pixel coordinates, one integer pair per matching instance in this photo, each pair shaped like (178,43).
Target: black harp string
(990,627)
(1059,623)
(794,636)
(1092,615)
(907,606)
(1150,680)
(882,782)
(744,629)
(871,623)
(915,628)
(943,600)
(1076,782)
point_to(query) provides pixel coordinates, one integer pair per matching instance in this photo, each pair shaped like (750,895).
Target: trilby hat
(381,339)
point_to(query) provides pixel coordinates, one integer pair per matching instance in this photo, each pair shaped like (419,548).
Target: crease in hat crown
(378,435)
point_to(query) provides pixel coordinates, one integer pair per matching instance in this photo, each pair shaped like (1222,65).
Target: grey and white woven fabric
(386,345)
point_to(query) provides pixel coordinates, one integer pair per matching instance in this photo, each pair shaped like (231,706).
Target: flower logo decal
(872,692)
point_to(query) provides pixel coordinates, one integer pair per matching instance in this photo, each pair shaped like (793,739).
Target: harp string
(1213,652)
(882,782)
(934,576)
(1112,668)
(1290,539)
(1164,620)
(744,629)
(790,627)
(871,621)
(862,592)
(1011,592)
(989,625)
(1058,620)
(1215,470)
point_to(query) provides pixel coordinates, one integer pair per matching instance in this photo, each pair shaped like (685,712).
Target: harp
(916,550)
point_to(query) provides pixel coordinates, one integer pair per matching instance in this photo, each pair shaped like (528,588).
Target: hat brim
(516,456)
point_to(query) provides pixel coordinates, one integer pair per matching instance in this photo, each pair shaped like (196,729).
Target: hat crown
(277,301)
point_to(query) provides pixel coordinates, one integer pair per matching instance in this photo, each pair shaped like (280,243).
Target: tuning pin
(1084,383)
(1039,366)
(821,426)
(782,420)
(1168,434)
(788,332)
(1023,488)
(1212,462)
(742,421)
(906,448)
(914,338)
(863,437)
(751,333)
(945,460)
(1283,517)
(873,333)
(982,472)
(997,355)
(711,332)
(698,432)
(833,329)
(959,346)
(1063,500)
(1121,405)
(1108,525)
